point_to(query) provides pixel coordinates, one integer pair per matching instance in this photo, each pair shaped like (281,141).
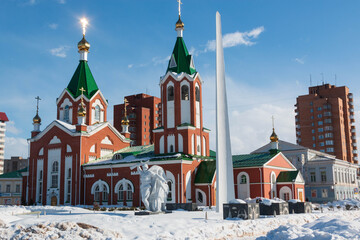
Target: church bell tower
(181,97)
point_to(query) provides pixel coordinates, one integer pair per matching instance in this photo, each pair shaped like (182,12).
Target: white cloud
(130,65)
(250,112)
(53,26)
(160,60)
(10,127)
(237,38)
(61,1)
(16,147)
(32,2)
(300,60)
(60,51)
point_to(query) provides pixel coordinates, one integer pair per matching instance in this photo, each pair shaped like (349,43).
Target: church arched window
(171,148)
(184,92)
(170,93)
(67,113)
(97,113)
(55,167)
(243,179)
(55,174)
(169,196)
(197,94)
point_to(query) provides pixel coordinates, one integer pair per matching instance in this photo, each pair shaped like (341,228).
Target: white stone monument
(153,187)
(224,168)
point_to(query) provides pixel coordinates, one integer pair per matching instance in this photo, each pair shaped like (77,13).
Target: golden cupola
(82,110)
(83,45)
(274,137)
(179,24)
(125,121)
(37,119)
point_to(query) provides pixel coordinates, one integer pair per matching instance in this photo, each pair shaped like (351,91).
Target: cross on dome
(84,23)
(179,1)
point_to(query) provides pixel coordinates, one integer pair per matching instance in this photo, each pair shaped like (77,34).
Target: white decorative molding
(68,148)
(41,152)
(92,149)
(106,140)
(102,186)
(112,174)
(54,140)
(89,175)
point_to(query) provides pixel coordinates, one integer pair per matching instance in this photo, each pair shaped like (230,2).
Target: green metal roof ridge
(82,78)
(182,58)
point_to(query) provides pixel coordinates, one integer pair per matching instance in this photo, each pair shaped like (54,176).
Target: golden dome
(37,119)
(83,45)
(125,121)
(179,24)
(82,111)
(274,137)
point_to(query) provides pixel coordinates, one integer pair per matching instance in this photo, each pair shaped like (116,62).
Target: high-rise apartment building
(325,121)
(144,114)
(3,120)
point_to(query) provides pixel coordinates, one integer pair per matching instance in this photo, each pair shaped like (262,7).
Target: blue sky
(271,48)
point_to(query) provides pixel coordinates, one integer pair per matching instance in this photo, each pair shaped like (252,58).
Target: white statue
(153,187)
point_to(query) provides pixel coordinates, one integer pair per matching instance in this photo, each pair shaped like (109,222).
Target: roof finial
(273,137)
(125,120)
(37,118)
(179,26)
(83,45)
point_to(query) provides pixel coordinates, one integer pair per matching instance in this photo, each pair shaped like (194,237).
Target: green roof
(14,174)
(287,176)
(251,160)
(206,172)
(186,125)
(82,78)
(180,59)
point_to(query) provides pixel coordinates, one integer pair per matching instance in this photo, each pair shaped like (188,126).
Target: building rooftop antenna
(335,79)
(310,81)
(322,78)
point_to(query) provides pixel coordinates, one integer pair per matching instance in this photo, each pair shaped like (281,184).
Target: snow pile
(63,230)
(344,203)
(237,201)
(294,201)
(265,201)
(323,228)
(11,213)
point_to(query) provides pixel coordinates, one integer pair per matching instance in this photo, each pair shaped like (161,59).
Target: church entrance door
(53,201)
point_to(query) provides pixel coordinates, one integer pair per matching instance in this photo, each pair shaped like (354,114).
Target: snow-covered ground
(78,223)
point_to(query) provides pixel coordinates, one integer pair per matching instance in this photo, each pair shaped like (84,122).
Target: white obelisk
(224,167)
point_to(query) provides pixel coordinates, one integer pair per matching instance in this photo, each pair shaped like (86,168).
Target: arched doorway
(285,193)
(243,182)
(53,201)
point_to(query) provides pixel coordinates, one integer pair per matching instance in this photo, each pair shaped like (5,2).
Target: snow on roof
(133,154)
(72,128)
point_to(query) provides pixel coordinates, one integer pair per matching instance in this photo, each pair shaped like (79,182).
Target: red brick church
(80,158)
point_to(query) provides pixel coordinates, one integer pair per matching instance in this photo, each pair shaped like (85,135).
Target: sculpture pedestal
(147,213)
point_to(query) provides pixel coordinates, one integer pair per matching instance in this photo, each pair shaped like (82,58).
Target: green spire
(82,78)
(180,59)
